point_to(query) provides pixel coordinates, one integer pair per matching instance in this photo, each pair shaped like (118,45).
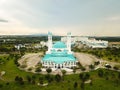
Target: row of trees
(83,77)
(41,79)
(107,75)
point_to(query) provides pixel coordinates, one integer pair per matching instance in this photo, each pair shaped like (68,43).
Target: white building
(19,46)
(93,43)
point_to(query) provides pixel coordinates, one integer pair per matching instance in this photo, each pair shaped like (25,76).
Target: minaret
(49,42)
(69,42)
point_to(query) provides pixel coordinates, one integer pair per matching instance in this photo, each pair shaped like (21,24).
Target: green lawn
(98,83)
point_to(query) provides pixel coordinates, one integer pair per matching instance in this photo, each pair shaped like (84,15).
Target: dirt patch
(85,59)
(30,60)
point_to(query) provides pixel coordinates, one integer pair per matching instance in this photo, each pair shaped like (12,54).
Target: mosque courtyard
(32,61)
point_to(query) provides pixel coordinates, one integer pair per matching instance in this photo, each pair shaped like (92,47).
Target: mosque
(59,54)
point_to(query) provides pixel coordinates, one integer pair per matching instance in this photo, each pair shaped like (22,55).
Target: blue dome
(59,45)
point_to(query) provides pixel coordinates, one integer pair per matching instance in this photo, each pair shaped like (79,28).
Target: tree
(81,76)
(33,81)
(115,68)
(7,83)
(119,75)
(74,70)
(91,83)
(19,80)
(28,79)
(108,66)
(1,85)
(58,78)
(75,85)
(116,82)
(63,72)
(87,76)
(91,67)
(16,78)
(22,51)
(49,78)
(100,73)
(33,77)
(109,58)
(97,63)
(49,70)
(41,80)
(82,85)
(38,69)
(83,68)
(84,76)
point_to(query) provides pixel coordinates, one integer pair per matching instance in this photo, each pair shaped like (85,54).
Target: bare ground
(30,60)
(86,59)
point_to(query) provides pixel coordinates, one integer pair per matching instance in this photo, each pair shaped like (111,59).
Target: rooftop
(59,45)
(59,59)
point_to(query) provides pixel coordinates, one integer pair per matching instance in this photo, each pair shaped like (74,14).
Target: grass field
(109,81)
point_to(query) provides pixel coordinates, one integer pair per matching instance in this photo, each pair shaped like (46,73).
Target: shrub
(108,66)
(63,72)
(97,63)
(83,68)
(1,85)
(75,85)
(28,78)
(58,77)
(49,70)
(74,69)
(100,73)
(116,68)
(19,80)
(23,66)
(38,69)
(29,69)
(84,76)
(91,67)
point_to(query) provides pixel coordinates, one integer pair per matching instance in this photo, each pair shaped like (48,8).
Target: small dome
(59,45)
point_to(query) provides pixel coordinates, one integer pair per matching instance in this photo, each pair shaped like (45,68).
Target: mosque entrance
(58,66)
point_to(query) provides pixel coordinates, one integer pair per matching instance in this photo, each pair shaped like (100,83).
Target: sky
(80,17)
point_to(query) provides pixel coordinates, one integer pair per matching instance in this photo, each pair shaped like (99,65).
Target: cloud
(113,18)
(60,17)
(3,21)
